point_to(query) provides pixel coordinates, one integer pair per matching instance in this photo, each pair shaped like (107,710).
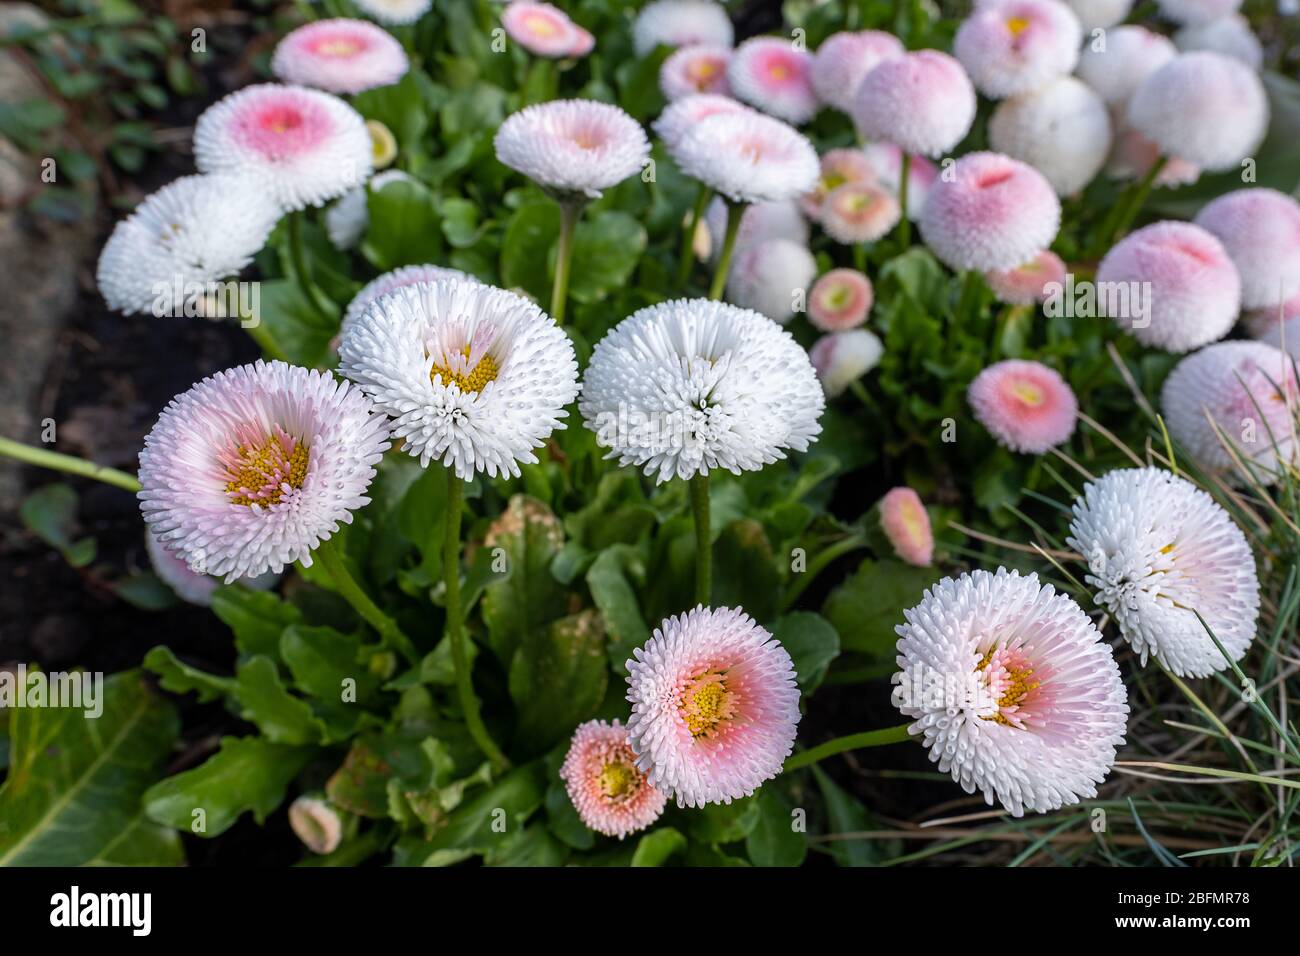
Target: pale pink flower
(859,212)
(841,358)
(340,56)
(840,300)
(1015,46)
(772,278)
(760,222)
(1133,156)
(1230,35)
(748,157)
(1130,54)
(1183,290)
(677,23)
(695,69)
(544,30)
(907,526)
(1260,228)
(775,76)
(1025,284)
(682,115)
(992,212)
(839,166)
(610,792)
(922,102)
(1198,11)
(843,59)
(1277,325)
(715,706)
(1062,129)
(188,584)
(887,160)
(1100,14)
(1026,406)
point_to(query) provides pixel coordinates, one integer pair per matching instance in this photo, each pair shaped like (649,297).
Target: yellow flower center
(701,71)
(1018,686)
(1018,25)
(475,380)
(706,703)
(1028,392)
(617,779)
(338,47)
(264,474)
(779,71)
(540,26)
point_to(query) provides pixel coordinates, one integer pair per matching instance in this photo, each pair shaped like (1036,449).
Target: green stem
(456,625)
(904,223)
(260,334)
(350,591)
(68,463)
(860,257)
(703,540)
(1126,210)
(819,564)
(570,213)
(315,297)
(871,738)
(966,303)
(735,212)
(688,240)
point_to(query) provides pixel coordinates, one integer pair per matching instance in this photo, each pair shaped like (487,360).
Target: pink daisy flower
(1131,54)
(991,212)
(677,23)
(544,30)
(887,160)
(306,146)
(340,56)
(1276,324)
(1249,390)
(839,166)
(841,358)
(843,59)
(1026,406)
(840,300)
(1025,284)
(749,157)
(695,69)
(760,222)
(859,212)
(1206,108)
(190,585)
(611,794)
(1012,688)
(774,76)
(1183,277)
(715,706)
(252,468)
(1260,228)
(907,526)
(922,102)
(1016,46)
(681,115)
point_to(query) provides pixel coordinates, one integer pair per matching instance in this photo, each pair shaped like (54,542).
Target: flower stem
(1126,210)
(570,213)
(69,463)
(870,738)
(820,563)
(703,539)
(904,222)
(350,591)
(688,240)
(315,297)
(735,212)
(969,297)
(456,626)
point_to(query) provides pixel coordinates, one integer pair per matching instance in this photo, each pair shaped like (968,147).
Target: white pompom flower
(772,278)
(398,278)
(1230,35)
(252,468)
(1012,689)
(181,240)
(677,23)
(692,385)
(1062,129)
(1159,549)
(395,12)
(472,376)
(1011,47)
(1117,68)
(1099,14)
(749,157)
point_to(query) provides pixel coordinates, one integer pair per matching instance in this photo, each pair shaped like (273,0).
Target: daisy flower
(473,376)
(772,278)
(759,223)
(843,59)
(1248,390)
(1197,11)
(695,69)
(188,235)
(681,115)
(348,218)
(906,524)
(1012,689)
(715,706)
(316,824)
(1206,108)
(544,30)
(1191,288)
(1159,549)
(1277,325)
(859,212)
(1230,35)
(1016,46)
(749,158)
(840,300)
(1062,129)
(838,166)
(399,278)
(395,12)
(887,161)
(1026,406)
(841,358)
(775,76)
(1130,54)
(1134,155)
(990,212)
(1260,229)
(189,585)
(719,386)
(307,147)
(1100,14)
(253,467)
(610,792)
(1027,283)
(921,102)
(573,146)
(340,56)
(676,23)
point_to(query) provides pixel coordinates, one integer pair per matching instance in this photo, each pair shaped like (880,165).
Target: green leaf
(399,106)
(811,643)
(258,618)
(744,570)
(181,678)
(658,846)
(534,846)
(404,226)
(774,840)
(528,597)
(606,248)
(724,822)
(264,701)
(846,815)
(460,222)
(145,591)
(564,821)
(865,609)
(531,233)
(72,796)
(558,679)
(50,512)
(289,320)
(613,594)
(248,773)
(321,659)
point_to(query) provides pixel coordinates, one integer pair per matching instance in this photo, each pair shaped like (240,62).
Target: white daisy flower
(348,218)
(397,279)
(772,278)
(1230,35)
(395,12)
(675,23)
(1159,548)
(691,385)
(1062,129)
(748,157)
(473,376)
